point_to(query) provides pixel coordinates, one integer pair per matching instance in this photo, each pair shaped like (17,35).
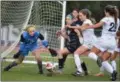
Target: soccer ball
(49,66)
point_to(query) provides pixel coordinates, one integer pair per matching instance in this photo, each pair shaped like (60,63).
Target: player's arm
(96,25)
(22,39)
(62,33)
(79,34)
(41,37)
(81,28)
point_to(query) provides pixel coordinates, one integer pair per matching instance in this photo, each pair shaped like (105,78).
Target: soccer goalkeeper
(28,42)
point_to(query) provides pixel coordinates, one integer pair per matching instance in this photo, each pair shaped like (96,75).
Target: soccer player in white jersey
(88,37)
(113,57)
(107,42)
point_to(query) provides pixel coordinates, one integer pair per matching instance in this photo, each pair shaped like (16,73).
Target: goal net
(48,16)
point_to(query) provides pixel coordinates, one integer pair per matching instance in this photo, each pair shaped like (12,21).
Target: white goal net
(48,16)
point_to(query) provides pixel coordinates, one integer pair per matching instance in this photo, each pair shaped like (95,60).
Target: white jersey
(109,27)
(88,35)
(107,41)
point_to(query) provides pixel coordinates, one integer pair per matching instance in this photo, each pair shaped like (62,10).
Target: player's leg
(77,60)
(113,57)
(64,52)
(101,73)
(113,62)
(15,63)
(93,53)
(16,55)
(108,66)
(36,53)
(24,52)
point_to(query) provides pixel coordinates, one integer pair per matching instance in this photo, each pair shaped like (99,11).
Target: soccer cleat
(114,76)
(41,72)
(99,74)
(84,67)
(77,73)
(86,72)
(6,68)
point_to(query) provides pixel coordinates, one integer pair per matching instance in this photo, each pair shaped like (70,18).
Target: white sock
(102,69)
(107,66)
(113,63)
(93,56)
(78,62)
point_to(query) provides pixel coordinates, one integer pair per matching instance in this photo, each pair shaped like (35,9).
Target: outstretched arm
(81,28)
(96,25)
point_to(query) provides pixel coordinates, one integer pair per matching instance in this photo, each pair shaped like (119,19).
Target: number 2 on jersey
(112,27)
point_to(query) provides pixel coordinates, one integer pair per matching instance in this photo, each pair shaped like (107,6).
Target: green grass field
(29,72)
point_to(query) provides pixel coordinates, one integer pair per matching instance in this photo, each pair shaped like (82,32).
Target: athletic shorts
(117,49)
(106,44)
(24,48)
(90,42)
(72,45)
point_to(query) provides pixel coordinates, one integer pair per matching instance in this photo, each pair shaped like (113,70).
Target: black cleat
(114,76)
(6,68)
(40,72)
(86,72)
(77,73)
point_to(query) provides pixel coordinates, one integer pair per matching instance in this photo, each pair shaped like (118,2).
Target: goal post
(63,23)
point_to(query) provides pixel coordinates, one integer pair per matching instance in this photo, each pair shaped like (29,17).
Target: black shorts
(72,45)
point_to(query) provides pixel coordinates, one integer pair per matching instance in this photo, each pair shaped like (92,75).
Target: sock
(62,61)
(84,67)
(39,63)
(11,65)
(107,66)
(93,56)
(113,63)
(101,69)
(77,62)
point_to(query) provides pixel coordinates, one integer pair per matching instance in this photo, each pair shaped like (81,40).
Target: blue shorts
(24,48)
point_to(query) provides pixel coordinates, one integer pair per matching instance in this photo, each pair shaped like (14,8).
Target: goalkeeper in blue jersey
(28,42)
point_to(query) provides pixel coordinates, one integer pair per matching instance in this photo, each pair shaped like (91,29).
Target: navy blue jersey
(74,42)
(71,32)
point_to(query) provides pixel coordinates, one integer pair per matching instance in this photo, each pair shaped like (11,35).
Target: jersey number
(112,27)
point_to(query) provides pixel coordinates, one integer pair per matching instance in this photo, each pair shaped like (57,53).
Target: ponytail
(113,11)
(116,13)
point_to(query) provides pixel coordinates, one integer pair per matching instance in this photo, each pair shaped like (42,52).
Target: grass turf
(29,72)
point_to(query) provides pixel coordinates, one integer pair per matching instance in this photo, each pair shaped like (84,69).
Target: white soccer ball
(49,65)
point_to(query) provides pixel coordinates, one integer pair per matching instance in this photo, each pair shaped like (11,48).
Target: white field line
(29,62)
(56,57)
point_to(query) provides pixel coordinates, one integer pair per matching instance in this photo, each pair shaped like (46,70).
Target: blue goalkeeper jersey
(29,40)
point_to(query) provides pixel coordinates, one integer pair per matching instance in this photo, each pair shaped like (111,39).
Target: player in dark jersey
(28,42)
(72,43)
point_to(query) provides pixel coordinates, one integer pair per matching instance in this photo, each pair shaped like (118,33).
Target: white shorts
(117,49)
(106,44)
(90,43)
